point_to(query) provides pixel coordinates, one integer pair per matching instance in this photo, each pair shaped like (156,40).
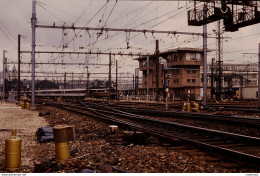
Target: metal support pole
(79,80)
(64,80)
(19,70)
(212,78)
(166,101)
(137,82)
(116,80)
(109,77)
(87,81)
(33,49)
(259,75)
(164,84)
(219,61)
(4,60)
(157,69)
(72,80)
(205,58)
(147,78)
(133,84)
(241,84)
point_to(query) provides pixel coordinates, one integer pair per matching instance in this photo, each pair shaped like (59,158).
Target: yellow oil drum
(62,148)
(196,106)
(22,105)
(13,153)
(188,107)
(184,106)
(27,105)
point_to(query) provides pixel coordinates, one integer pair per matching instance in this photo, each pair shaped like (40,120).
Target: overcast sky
(155,15)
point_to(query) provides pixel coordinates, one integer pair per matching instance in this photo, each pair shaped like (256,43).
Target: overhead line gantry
(116,29)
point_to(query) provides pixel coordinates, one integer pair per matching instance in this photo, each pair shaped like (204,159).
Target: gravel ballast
(96,147)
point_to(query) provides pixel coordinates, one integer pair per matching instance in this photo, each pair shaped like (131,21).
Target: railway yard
(149,138)
(130,86)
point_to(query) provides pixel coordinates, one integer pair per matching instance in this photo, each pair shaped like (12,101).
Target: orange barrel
(13,152)
(62,148)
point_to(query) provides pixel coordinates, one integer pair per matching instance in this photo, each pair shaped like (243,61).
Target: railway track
(239,148)
(150,105)
(248,107)
(241,120)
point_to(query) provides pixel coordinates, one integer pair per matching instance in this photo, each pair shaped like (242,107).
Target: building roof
(183,49)
(198,50)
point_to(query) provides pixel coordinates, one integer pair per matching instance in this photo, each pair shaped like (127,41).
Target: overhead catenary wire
(89,21)
(149,38)
(7,36)
(143,23)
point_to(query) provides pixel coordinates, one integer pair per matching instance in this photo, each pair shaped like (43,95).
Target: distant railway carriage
(61,92)
(94,93)
(102,93)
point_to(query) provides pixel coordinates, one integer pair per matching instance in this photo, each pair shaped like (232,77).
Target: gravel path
(25,123)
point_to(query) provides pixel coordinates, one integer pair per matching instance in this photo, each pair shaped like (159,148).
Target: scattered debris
(73,152)
(41,114)
(44,134)
(135,137)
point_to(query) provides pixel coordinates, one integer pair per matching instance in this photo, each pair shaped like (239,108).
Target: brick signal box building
(180,69)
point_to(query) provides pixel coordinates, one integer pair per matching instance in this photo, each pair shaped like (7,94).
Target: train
(93,93)
(61,93)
